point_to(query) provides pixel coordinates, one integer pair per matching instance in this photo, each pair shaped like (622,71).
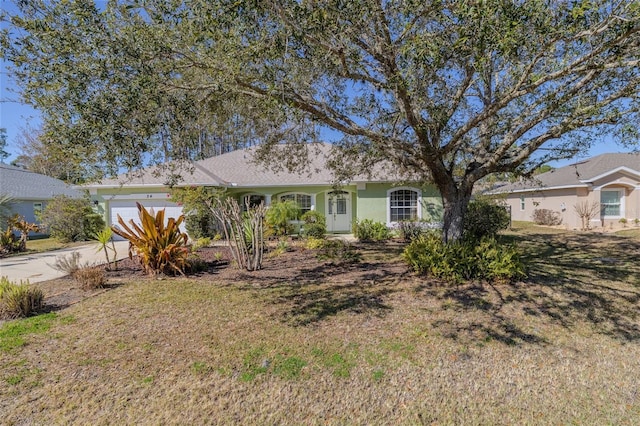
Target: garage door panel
(128,211)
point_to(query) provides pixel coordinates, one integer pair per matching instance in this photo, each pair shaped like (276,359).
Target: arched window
(404,204)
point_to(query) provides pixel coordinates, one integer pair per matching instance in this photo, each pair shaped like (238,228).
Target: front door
(338,211)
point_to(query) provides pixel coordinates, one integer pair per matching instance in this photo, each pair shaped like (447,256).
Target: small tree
(104,237)
(279,214)
(586,210)
(244,233)
(71,219)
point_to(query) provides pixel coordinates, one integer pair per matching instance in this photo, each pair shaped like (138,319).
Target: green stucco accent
(372,202)
(369,203)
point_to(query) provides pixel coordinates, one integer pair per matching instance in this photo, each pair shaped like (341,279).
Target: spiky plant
(105,243)
(161,248)
(20,224)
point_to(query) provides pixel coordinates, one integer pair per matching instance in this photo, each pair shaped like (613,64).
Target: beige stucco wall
(564,201)
(559,200)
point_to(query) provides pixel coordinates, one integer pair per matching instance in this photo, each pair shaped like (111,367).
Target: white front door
(338,211)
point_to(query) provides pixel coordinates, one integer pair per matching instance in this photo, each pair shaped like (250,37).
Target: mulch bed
(297,264)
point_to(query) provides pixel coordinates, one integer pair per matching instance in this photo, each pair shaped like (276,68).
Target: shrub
(278,216)
(68,264)
(71,219)
(8,242)
(19,300)
(338,251)
(161,248)
(244,232)
(368,230)
(199,220)
(409,230)
(313,243)
(464,259)
(19,223)
(546,217)
(280,248)
(196,264)
(315,224)
(200,243)
(90,277)
(484,218)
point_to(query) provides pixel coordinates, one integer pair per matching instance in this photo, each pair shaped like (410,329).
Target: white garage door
(128,210)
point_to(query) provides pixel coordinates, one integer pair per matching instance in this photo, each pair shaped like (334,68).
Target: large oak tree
(449,91)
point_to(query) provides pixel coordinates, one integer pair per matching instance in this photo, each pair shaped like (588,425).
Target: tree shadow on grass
(575,281)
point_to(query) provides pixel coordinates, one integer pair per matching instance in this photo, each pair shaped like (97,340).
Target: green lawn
(47,244)
(382,347)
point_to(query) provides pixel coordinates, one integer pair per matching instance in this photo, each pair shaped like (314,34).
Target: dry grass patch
(367,343)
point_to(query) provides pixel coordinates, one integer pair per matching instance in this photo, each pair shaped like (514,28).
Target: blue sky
(15,115)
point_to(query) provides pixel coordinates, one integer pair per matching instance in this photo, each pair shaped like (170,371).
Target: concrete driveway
(35,267)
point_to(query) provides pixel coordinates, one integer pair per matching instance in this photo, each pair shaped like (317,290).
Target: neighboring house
(31,191)
(379,198)
(612,180)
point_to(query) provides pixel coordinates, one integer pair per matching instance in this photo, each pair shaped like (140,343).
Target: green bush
(278,216)
(464,260)
(313,243)
(315,224)
(18,300)
(339,252)
(368,230)
(484,218)
(71,219)
(199,220)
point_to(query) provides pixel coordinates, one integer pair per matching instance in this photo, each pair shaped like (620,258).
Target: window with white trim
(611,203)
(403,205)
(522,205)
(37,210)
(302,200)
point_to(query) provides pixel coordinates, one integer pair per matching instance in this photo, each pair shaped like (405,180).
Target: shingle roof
(237,169)
(578,174)
(21,184)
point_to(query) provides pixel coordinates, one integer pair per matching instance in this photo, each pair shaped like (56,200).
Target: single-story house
(380,198)
(31,191)
(610,180)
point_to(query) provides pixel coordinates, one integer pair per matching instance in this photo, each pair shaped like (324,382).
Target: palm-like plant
(161,248)
(103,238)
(19,223)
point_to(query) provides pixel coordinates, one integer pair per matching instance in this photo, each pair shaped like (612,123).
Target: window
(302,200)
(611,203)
(403,205)
(522,206)
(37,210)
(339,200)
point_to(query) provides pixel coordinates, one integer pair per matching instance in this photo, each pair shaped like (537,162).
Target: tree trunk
(455,201)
